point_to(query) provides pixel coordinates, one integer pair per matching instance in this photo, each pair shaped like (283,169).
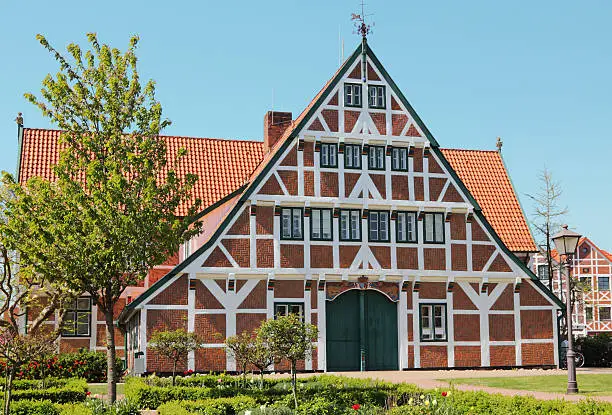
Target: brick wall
(292,256)
(175,293)
(538,354)
(466,327)
(256,298)
(467,356)
(434,356)
(289,288)
(502,356)
(501,327)
(536,324)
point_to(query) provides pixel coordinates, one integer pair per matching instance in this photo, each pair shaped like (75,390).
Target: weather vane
(361,27)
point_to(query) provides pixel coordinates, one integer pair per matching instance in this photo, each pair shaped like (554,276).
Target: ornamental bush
(26,407)
(74,390)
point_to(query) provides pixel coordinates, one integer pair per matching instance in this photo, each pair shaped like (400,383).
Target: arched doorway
(361,325)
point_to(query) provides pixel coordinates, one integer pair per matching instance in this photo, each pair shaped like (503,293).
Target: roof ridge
(469,149)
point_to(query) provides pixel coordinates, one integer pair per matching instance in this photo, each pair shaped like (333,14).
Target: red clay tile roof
(485,176)
(223,166)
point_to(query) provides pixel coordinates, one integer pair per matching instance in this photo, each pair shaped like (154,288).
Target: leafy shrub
(75,409)
(50,382)
(172,408)
(597,350)
(270,410)
(25,407)
(73,391)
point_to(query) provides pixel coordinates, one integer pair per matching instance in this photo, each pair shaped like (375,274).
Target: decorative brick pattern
(350,119)
(467,356)
(477,233)
(412,131)
(457,227)
(313,295)
(505,300)
(331,119)
(500,356)
(398,122)
(399,187)
(467,327)
(256,298)
(290,180)
(436,184)
(380,121)
(316,125)
(419,192)
(161,320)
(160,364)
(321,256)
(265,253)
(379,182)
(536,324)
(217,259)
(175,293)
(289,289)
(394,104)
(350,180)
(538,354)
(499,264)
(69,345)
(204,299)
(372,75)
(432,290)
(530,296)
(410,357)
(271,187)
(347,255)
(434,258)
(309,183)
(460,299)
(333,100)
(249,322)
(210,359)
(241,224)
(480,256)
(210,327)
(434,167)
(459,257)
(264,220)
(292,256)
(501,327)
(291,157)
(434,356)
(382,255)
(407,258)
(452,195)
(329,184)
(410,330)
(356,72)
(239,249)
(309,154)
(417,158)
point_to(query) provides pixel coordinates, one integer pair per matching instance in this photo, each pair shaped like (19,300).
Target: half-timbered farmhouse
(591,267)
(404,254)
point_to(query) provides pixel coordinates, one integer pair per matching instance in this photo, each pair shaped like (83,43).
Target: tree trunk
(293,383)
(9,390)
(111,355)
(174,371)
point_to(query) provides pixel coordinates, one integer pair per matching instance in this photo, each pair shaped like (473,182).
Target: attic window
(377,96)
(352,95)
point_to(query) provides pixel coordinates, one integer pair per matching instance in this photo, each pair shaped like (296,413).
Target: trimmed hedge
(50,382)
(74,391)
(27,407)
(219,406)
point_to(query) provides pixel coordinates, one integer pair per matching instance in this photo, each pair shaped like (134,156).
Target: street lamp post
(566,242)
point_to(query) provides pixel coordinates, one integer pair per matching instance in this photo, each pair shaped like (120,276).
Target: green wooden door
(381,332)
(361,321)
(342,331)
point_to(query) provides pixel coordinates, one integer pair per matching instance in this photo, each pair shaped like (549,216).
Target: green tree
(117,207)
(175,346)
(262,355)
(289,338)
(240,347)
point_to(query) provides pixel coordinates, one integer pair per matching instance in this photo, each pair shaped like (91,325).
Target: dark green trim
(331,224)
(360,222)
(76,319)
(352,84)
(384,159)
(388,239)
(416,228)
(353,146)
(435,214)
(400,150)
(376,107)
(291,238)
(329,166)
(289,303)
(433,327)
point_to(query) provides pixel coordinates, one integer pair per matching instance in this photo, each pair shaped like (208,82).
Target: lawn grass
(100,388)
(587,384)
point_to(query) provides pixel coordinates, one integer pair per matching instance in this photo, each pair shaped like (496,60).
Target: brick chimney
(275,125)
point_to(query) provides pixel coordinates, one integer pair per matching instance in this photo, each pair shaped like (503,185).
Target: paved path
(438,379)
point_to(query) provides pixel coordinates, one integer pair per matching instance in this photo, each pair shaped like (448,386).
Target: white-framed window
(376,158)
(133,331)
(284,309)
(77,320)
(186,249)
(352,95)
(329,155)
(399,159)
(433,322)
(603,283)
(350,225)
(604,313)
(292,223)
(378,225)
(352,156)
(405,226)
(377,96)
(543,272)
(434,228)
(321,224)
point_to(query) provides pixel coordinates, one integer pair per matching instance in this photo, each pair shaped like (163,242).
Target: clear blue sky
(536,73)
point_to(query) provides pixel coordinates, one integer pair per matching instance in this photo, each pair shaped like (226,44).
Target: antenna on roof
(363,29)
(499,144)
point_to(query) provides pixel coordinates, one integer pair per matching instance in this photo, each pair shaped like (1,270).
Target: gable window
(321,224)
(77,320)
(352,156)
(376,159)
(434,228)
(543,272)
(350,225)
(604,313)
(352,95)
(399,159)
(588,312)
(406,227)
(433,322)
(291,223)
(329,155)
(377,96)
(378,226)
(603,283)
(284,309)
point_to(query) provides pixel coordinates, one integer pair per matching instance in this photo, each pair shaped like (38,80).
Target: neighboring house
(592,266)
(405,255)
